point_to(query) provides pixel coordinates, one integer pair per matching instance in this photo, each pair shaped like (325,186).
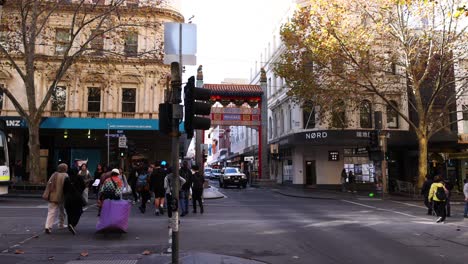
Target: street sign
(249,158)
(122,142)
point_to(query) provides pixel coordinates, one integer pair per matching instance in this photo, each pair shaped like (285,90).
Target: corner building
(102,97)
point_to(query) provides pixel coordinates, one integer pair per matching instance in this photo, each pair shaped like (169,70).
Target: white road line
(401,213)
(413,205)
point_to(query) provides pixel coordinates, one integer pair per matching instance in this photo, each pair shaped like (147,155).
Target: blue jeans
(466,208)
(183,198)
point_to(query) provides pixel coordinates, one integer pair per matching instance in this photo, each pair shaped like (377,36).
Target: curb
(304,197)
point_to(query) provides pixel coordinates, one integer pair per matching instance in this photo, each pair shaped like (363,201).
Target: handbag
(126,189)
(85,196)
(50,187)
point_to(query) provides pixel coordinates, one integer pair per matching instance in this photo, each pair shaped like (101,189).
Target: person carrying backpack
(143,187)
(438,196)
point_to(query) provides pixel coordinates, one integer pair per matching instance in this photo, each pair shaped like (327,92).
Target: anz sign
(13,123)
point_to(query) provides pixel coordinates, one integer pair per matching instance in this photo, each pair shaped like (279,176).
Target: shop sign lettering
(316,135)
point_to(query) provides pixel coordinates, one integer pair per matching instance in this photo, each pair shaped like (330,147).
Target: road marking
(401,213)
(413,205)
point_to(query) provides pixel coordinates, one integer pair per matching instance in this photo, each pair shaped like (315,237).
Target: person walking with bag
(197,189)
(172,205)
(425,193)
(84,173)
(438,196)
(157,186)
(143,187)
(54,195)
(73,189)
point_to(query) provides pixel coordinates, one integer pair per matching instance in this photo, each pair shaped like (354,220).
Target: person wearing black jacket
(449,185)
(425,193)
(73,188)
(197,188)
(185,189)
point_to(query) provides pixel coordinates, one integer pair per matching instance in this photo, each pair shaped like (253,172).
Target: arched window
(392,115)
(282,122)
(270,127)
(365,114)
(339,114)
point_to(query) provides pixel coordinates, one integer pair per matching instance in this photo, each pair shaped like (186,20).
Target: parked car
(215,174)
(208,172)
(232,176)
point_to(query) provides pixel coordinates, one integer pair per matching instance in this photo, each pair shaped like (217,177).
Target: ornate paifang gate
(241,106)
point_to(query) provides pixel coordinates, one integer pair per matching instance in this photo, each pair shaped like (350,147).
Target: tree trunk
(422,161)
(34,154)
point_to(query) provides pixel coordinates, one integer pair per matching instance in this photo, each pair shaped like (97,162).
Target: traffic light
(374,140)
(165,118)
(195,102)
(122,152)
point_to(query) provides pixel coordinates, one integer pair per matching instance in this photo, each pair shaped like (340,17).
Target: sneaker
(161,210)
(133,202)
(439,220)
(62,226)
(142,210)
(47,231)
(183,214)
(72,229)
(466,216)
(194,211)
(156,212)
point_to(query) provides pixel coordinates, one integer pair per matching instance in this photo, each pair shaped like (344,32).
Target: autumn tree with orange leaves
(406,55)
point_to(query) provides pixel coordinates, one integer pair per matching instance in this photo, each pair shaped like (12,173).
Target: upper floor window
(62,40)
(59,99)
(97,44)
(339,114)
(275,123)
(128,100)
(290,118)
(465,118)
(2,97)
(308,115)
(392,115)
(132,3)
(281,122)
(94,99)
(270,127)
(270,91)
(131,43)
(365,114)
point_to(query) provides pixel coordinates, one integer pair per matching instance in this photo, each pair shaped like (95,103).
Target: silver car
(232,176)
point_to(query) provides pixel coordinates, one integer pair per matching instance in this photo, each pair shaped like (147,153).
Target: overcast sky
(231,34)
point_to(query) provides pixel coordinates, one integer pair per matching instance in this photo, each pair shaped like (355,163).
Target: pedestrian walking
(449,186)
(438,196)
(54,195)
(157,187)
(425,193)
(465,192)
(351,181)
(344,179)
(185,189)
(97,175)
(73,188)
(132,179)
(198,180)
(143,187)
(172,204)
(19,171)
(84,173)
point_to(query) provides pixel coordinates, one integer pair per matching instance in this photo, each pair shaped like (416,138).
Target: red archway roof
(238,90)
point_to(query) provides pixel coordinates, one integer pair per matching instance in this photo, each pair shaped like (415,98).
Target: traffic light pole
(176,85)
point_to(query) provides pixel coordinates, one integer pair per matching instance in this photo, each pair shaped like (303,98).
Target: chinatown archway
(242,105)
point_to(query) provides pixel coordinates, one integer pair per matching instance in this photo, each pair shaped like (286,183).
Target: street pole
(383,143)
(176,85)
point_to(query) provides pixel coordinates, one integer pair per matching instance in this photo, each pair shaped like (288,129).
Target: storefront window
(357,161)
(365,114)
(308,115)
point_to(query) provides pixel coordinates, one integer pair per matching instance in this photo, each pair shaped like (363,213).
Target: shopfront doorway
(310,171)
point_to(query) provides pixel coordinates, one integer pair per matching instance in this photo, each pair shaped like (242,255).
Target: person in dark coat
(73,188)
(197,188)
(157,187)
(425,193)
(449,185)
(132,179)
(185,189)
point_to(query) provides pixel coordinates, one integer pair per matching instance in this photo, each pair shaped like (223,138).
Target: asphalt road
(250,223)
